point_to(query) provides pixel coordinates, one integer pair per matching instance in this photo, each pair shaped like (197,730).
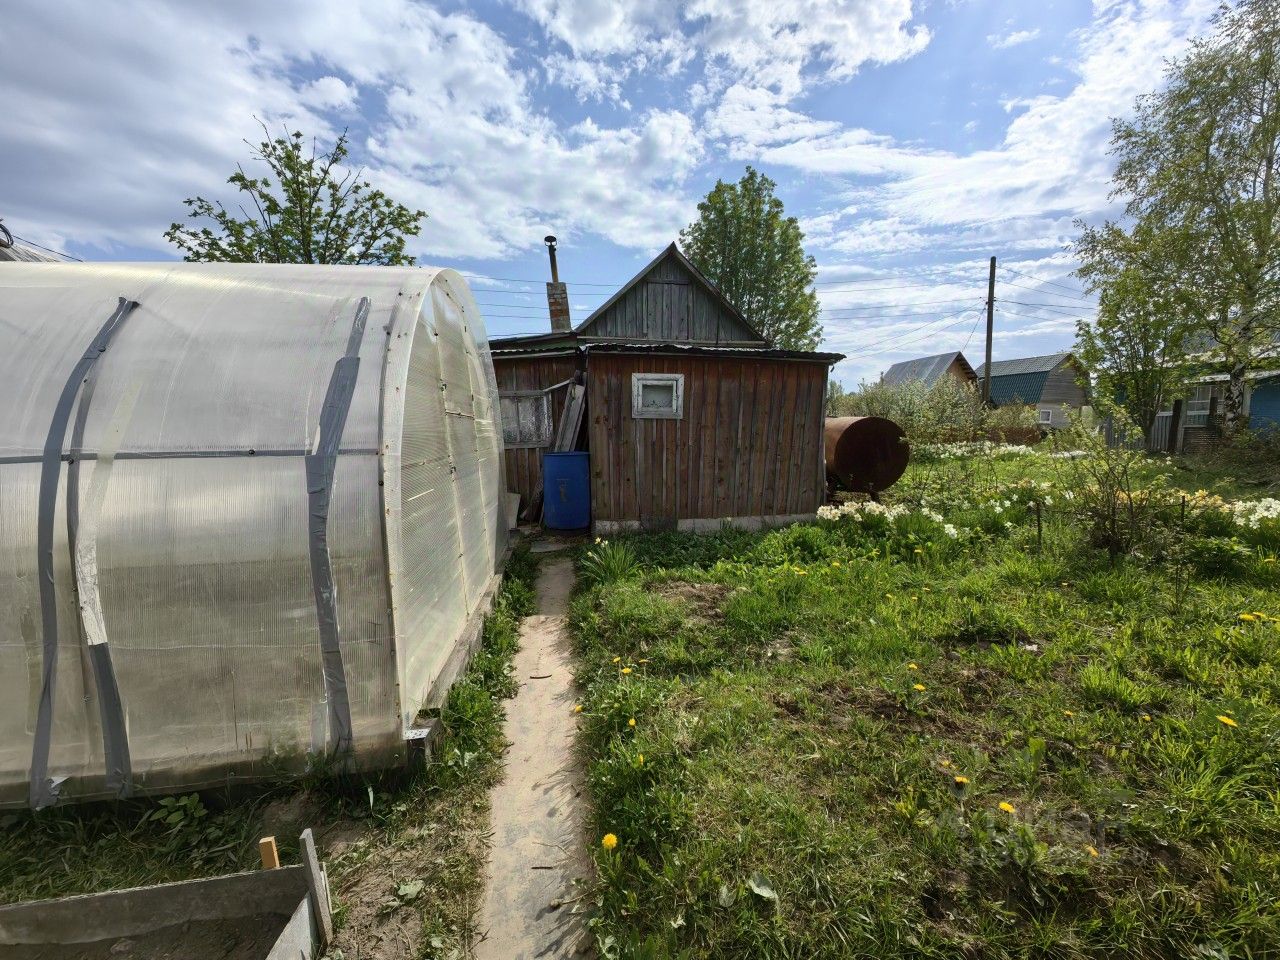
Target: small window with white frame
(1046,415)
(657,396)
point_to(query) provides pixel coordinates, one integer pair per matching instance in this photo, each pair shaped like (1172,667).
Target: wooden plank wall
(749,443)
(670,305)
(524,465)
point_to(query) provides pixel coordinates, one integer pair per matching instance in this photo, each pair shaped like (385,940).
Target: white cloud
(136,116)
(771,44)
(1051,165)
(1012,39)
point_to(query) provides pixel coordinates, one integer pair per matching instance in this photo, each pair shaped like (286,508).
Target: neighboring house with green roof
(1054,384)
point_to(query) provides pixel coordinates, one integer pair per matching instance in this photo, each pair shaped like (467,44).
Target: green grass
(380,835)
(788,792)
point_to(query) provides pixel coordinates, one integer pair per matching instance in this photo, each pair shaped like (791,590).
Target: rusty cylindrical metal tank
(865,454)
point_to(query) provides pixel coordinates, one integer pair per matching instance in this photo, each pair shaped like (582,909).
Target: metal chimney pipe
(550,241)
(557,293)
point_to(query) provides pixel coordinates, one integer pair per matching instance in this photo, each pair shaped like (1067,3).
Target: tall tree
(315,211)
(1136,348)
(1198,168)
(755,254)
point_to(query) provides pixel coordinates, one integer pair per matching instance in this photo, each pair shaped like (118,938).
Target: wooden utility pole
(991,320)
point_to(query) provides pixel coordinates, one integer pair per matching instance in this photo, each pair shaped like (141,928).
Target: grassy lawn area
(925,732)
(404,851)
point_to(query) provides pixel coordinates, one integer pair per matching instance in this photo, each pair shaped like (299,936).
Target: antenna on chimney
(557,293)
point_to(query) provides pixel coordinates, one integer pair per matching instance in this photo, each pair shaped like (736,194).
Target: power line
(1047,293)
(897,286)
(1060,308)
(862,354)
(875,307)
(1052,283)
(1028,316)
(913,330)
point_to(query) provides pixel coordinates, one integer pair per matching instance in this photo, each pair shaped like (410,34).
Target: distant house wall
(747,445)
(1264,405)
(670,305)
(960,371)
(1061,389)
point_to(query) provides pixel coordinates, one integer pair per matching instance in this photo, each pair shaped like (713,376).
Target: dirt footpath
(538,857)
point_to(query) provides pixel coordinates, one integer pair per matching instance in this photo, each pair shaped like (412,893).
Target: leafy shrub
(947,412)
(1109,492)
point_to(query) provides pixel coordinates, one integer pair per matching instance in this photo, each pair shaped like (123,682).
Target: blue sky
(913,140)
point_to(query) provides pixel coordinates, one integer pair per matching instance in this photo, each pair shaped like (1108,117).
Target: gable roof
(672,250)
(928,370)
(1008,368)
(1023,380)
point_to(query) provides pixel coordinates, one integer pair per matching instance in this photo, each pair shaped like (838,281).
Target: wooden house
(690,417)
(1053,384)
(929,370)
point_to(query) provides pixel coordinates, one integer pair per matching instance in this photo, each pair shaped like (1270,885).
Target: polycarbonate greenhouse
(249,515)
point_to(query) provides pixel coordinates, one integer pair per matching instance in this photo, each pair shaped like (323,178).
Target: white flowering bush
(1254,513)
(929,452)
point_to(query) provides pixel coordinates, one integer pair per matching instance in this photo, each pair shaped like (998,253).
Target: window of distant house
(526,419)
(1046,416)
(657,396)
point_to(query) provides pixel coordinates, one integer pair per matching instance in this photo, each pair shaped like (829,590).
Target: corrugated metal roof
(1007,368)
(696,350)
(925,369)
(22,253)
(1018,387)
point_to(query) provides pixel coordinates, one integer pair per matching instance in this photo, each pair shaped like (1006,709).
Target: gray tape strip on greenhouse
(43,791)
(84,551)
(320,466)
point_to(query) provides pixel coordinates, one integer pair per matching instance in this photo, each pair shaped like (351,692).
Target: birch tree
(1197,167)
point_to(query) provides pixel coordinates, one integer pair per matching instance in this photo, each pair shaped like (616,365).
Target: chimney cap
(549,240)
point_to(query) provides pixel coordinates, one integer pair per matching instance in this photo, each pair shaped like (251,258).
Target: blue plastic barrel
(566,490)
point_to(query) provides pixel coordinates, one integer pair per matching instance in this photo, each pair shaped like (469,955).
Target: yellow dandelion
(912,666)
(1248,617)
(946,763)
(640,760)
(644,660)
(1068,713)
(577,708)
(1091,849)
(631,722)
(616,659)
(625,671)
(1008,807)
(608,841)
(918,687)
(1226,721)
(961,781)
(835,563)
(1146,718)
